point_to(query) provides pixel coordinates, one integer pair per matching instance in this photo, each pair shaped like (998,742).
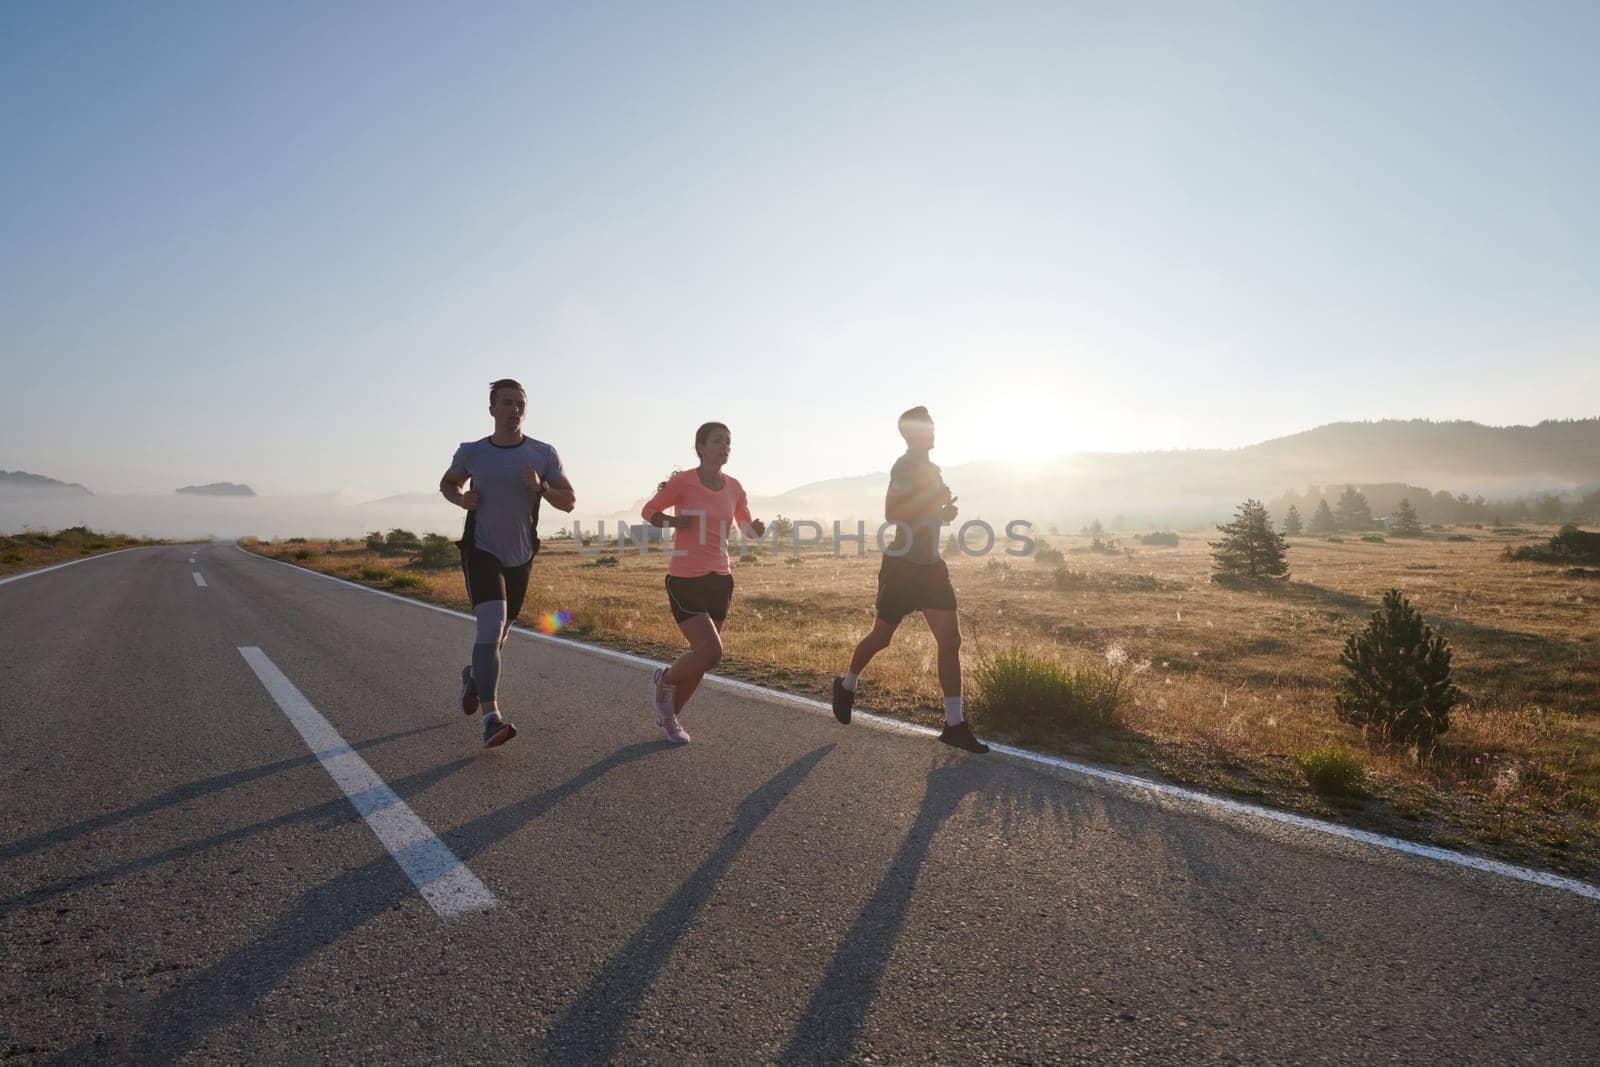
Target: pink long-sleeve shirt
(702,545)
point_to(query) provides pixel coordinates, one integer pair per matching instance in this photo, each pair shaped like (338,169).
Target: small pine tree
(1398,676)
(1406,523)
(1291,522)
(1354,513)
(1250,548)
(1323,521)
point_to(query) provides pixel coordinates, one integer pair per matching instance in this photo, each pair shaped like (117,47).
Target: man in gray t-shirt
(510,474)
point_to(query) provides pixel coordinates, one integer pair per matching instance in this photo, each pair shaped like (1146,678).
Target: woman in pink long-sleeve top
(706,505)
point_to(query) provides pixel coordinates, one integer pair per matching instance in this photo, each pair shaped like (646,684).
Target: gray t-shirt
(916,475)
(503,524)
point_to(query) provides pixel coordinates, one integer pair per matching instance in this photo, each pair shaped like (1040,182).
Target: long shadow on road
(333,813)
(181,794)
(593,1028)
(183,1016)
(828,1030)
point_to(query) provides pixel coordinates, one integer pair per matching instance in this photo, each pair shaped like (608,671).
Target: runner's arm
(741,515)
(559,494)
(654,510)
(450,487)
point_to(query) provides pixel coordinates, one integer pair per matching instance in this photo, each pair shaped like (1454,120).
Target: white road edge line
(441,878)
(198,580)
(1160,789)
(75,562)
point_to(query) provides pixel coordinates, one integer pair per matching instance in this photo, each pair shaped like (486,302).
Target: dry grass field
(33,549)
(1232,687)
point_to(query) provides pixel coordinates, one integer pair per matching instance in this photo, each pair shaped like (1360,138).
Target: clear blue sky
(290,244)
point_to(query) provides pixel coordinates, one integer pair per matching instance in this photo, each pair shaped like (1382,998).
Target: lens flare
(552,622)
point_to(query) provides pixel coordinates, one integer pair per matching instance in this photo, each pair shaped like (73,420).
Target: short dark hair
(704,432)
(504,383)
(913,417)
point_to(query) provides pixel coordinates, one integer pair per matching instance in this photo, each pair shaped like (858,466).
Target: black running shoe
(469,691)
(960,736)
(497,732)
(843,701)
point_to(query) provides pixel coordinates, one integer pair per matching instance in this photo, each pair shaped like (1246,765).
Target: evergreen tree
(1354,513)
(1406,523)
(1398,681)
(1250,548)
(1291,522)
(1323,521)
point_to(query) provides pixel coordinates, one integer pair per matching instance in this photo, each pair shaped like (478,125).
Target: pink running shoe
(675,731)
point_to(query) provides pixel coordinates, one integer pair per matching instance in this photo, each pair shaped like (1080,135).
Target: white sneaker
(661,698)
(675,731)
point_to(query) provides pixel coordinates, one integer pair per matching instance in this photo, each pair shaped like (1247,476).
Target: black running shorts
(709,594)
(488,580)
(906,587)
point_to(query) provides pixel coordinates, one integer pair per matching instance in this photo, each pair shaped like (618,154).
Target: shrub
(1460,537)
(375,541)
(1570,545)
(375,574)
(794,561)
(406,581)
(1332,770)
(1066,579)
(399,540)
(1106,546)
(1397,679)
(1034,698)
(438,551)
(304,553)
(1162,539)
(11,557)
(601,561)
(997,568)
(296,541)
(1049,555)
(1374,539)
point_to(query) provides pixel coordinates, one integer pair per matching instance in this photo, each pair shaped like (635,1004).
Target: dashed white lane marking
(441,878)
(1145,785)
(199,580)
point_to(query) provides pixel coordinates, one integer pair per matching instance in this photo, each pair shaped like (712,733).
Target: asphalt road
(181,875)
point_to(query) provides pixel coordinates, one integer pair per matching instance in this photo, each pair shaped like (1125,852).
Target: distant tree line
(1355,508)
